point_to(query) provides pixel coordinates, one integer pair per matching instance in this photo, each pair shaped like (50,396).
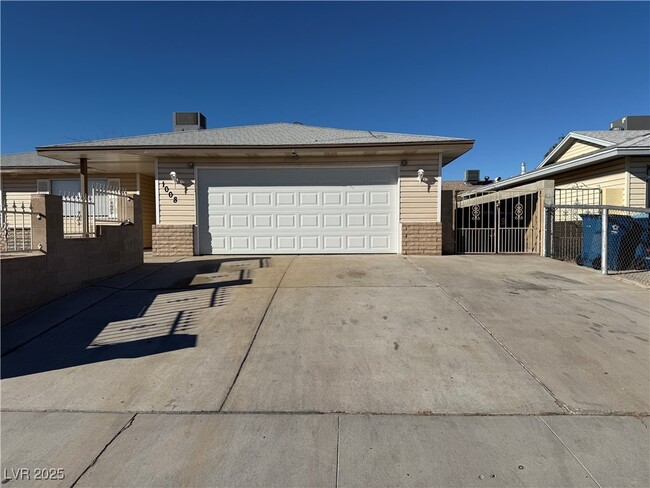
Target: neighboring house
(616,161)
(269,189)
(23,174)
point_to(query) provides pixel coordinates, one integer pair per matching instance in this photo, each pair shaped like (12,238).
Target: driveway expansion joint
(338,452)
(570,452)
(259,326)
(557,401)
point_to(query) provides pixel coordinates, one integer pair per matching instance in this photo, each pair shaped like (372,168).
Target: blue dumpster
(623,232)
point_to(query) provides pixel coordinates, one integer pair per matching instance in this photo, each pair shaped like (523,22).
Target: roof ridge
(167,133)
(18,153)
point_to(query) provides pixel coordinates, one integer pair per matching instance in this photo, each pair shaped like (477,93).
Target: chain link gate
(498,222)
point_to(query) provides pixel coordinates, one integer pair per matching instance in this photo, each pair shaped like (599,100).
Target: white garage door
(297,210)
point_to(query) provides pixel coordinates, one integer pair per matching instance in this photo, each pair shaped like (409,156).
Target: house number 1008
(170,193)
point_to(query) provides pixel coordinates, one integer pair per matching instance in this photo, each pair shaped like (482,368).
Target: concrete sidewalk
(268,450)
(334,371)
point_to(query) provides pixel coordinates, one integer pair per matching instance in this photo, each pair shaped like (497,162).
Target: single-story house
(615,161)
(268,189)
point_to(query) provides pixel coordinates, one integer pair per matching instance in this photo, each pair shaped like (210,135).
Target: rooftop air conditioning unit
(472,176)
(631,122)
(188,121)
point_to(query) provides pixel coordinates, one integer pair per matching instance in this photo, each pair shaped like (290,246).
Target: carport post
(603,249)
(83,180)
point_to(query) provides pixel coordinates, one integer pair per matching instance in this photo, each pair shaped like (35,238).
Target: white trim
(439,205)
(398,199)
(157,196)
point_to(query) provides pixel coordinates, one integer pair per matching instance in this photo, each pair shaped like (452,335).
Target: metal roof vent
(189,121)
(472,176)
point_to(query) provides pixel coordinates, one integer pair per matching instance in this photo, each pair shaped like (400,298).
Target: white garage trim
(295,209)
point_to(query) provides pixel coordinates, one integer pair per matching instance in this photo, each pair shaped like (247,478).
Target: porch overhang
(146,155)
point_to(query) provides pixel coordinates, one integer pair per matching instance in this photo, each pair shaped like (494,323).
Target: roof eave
(579,162)
(141,147)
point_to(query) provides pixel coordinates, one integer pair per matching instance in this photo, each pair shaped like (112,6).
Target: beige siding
(18,188)
(638,184)
(417,203)
(183,211)
(576,149)
(605,175)
(147,192)
(127,181)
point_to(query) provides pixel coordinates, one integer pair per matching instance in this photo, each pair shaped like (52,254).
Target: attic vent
(472,175)
(189,121)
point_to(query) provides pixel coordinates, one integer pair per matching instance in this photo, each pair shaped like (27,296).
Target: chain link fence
(615,240)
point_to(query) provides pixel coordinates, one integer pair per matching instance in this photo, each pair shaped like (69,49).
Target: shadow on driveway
(157,314)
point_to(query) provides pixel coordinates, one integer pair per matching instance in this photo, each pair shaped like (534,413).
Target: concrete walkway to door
(376,370)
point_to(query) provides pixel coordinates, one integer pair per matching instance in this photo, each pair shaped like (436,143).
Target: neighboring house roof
(599,138)
(637,145)
(31,160)
(457,185)
(278,134)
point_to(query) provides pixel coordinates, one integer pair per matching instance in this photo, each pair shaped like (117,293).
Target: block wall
(424,238)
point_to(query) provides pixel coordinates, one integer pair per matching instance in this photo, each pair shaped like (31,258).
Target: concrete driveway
(334,371)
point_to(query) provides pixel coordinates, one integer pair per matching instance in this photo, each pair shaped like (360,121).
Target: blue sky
(513,76)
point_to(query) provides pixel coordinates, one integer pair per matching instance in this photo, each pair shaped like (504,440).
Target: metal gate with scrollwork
(498,222)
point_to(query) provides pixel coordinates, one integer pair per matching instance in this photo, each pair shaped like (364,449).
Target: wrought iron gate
(498,222)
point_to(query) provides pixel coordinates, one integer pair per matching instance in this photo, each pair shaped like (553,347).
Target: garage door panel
(380,242)
(309,221)
(379,198)
(286,221)
(321,210)
(356,198)
(263,221)
(217,221)
(240,243)
(238,199)
(356,220)
(309,198)
(239,222)
(332,243)
(380,220)
(332,221)
(285,199)
(310,243)
(332,198)
(264,199)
